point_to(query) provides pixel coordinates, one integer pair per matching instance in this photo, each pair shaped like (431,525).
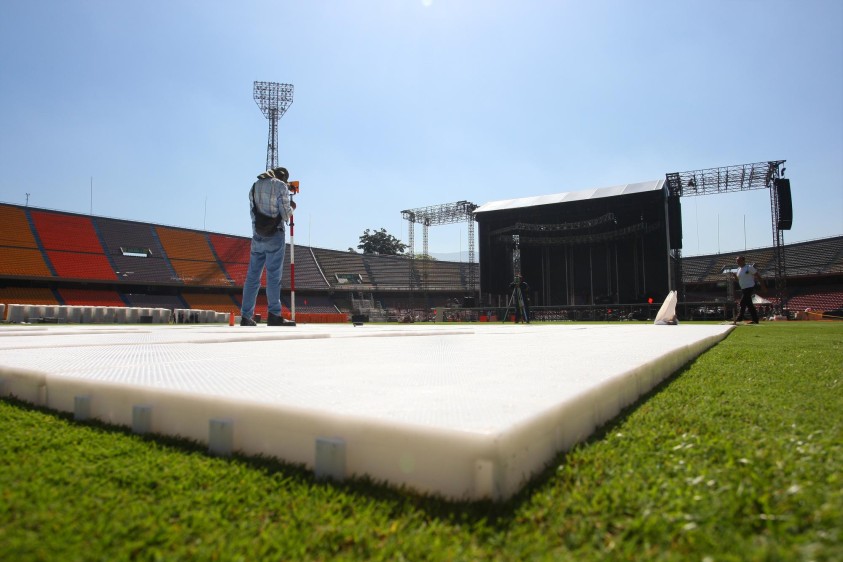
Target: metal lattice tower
(728,179)
(446,213)
(273,99)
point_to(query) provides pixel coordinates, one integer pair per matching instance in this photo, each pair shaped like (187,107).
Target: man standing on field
(747,277)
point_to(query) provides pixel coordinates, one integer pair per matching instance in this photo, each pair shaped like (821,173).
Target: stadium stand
(449,276)
(19,252)
(233,254)
(827,298)
(211,301)
(24,295)
(820,257)
(337,266)
(58,258)
(16,232)
(90,297)
(70,233)
(697,270)
(191,257)
(142,300)
(308,273)
(23,262)
(315,304)
(137,255)
(72,246)
(388,272)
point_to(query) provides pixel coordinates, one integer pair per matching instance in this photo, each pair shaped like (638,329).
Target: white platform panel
(465,411)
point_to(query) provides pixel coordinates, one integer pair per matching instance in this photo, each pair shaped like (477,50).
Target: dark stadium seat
(334,262)
(308,273)
(124,243)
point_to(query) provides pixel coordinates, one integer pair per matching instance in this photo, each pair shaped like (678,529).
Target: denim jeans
(266,252)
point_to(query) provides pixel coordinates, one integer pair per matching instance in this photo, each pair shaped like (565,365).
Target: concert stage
(465,411)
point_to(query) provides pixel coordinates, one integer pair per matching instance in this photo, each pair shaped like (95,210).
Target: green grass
(737,457)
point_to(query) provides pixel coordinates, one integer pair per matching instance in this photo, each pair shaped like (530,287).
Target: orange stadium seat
(16,231)
(23,262)
(91,297)
(77,265)
(233,252)
(23,295)
(72,246)
(191,257)
(73,233)
(19,253)
(204,301)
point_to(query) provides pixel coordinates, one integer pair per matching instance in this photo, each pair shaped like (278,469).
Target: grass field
(739,456)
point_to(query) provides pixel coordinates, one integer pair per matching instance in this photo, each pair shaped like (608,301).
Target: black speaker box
(782,186)
(674,218)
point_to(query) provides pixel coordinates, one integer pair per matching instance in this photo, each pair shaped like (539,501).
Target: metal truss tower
(273,99)
(728,179)
(446,213)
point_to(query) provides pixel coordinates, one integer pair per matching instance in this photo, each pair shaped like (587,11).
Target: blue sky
(144,110)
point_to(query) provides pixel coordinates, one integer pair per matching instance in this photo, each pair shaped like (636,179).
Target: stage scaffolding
(434,215)
(729,179)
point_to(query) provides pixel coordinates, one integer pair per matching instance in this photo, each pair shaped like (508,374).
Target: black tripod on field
(517,301)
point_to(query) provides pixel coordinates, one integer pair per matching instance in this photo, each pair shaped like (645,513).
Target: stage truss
(729,179)
(434,215)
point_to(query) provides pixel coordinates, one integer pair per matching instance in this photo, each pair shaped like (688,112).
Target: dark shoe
(274,320)
(247,322)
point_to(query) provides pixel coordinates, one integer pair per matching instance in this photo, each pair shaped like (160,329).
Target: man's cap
(280,173)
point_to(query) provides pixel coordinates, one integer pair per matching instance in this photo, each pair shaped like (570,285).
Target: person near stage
(271,209)
(748,278)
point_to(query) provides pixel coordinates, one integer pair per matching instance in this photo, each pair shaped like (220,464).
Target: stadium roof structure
(571,196)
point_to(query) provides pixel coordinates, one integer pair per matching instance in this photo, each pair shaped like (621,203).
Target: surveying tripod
(516,301)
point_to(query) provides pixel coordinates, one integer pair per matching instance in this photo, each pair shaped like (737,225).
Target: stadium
(448,382)
(475,396)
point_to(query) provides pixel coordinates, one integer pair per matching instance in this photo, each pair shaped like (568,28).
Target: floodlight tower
(273,99)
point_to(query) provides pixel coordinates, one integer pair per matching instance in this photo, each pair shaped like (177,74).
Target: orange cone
(231,319)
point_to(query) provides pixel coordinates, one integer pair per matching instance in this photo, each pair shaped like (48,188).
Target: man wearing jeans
(269,198)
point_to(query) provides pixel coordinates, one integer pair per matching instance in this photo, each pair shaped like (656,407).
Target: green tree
(381,242)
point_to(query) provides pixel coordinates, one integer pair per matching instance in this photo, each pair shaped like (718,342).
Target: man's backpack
(264,224)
